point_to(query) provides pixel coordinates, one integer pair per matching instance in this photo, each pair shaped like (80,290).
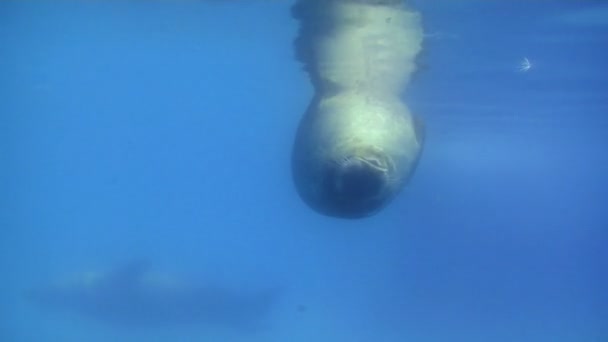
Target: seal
(357,144)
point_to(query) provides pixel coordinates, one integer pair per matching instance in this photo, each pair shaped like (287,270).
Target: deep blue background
(163,130)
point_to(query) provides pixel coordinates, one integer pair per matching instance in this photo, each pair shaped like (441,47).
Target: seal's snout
(356,178)
(356,186)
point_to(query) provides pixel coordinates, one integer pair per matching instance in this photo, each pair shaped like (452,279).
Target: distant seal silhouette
(357,144)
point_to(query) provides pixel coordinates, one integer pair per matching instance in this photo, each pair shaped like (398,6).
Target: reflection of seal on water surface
(357,144)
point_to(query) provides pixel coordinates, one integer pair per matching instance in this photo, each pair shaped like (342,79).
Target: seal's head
(352,156)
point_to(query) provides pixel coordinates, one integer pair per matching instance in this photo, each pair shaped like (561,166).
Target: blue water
(162,130)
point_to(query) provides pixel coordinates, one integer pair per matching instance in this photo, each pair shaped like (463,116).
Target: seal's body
(357,144)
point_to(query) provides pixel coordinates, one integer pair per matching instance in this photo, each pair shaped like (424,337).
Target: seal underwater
(357,144)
